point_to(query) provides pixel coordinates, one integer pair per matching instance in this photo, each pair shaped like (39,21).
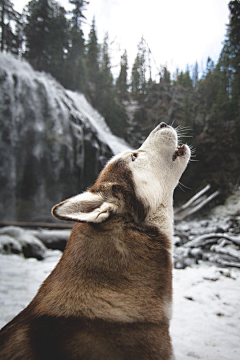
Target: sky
(178,32)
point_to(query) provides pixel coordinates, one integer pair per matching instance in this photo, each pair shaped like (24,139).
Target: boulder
(9,245)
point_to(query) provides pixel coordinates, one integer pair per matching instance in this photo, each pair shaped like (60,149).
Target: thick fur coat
(110,295)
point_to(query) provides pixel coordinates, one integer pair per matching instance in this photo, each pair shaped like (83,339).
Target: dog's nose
(163,125)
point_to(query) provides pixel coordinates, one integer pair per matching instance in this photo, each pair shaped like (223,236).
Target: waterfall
(52,142)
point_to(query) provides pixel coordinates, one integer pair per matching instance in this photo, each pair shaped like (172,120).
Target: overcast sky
(178,32)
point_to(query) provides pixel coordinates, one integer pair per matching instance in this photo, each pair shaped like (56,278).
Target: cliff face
(216,141)
(53,143)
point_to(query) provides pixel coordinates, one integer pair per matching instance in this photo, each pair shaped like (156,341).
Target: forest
(207,108)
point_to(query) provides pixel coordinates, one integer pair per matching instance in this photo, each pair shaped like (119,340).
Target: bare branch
(194,198)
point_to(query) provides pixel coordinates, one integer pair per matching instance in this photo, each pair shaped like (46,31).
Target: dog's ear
(86,207)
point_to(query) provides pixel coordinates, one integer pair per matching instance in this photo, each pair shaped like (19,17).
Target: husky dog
(110,295)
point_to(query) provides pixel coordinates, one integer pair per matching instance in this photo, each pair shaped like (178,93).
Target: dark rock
(9,245)
(20,241)
(32,247)
(196,253)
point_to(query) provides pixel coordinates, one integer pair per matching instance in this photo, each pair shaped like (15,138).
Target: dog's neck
(162,218)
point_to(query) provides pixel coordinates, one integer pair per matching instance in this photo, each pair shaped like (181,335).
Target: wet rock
(32,247)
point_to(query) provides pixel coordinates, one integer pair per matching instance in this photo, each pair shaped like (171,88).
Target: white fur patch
(155,175)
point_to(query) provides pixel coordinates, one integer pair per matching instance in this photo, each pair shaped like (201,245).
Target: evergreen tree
(233,34)
(77,12)
(184,79)
(105,64)
(165,75)
(104,95)
(101,91)
(221,110)
(208,86)
(75,64)
(232,48)
(92,56)
(135,78)
(122,80)
(138,78)
(46,32)
(226,75)
(10,39)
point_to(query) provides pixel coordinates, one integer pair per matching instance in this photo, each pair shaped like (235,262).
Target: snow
(19,281)
(206,311)
(206,317)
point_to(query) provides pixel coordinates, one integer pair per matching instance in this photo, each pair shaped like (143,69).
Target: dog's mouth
(179,152)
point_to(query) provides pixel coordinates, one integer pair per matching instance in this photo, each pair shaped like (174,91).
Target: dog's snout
(163,125)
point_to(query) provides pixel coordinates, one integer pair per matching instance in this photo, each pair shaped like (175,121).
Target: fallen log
(198,207)
(227,250)
(227,262)
(214,257)
(33,225)
(192,200)
(199,241)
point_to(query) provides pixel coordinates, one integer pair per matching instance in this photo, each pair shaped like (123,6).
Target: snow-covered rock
(9,245)
(17,240)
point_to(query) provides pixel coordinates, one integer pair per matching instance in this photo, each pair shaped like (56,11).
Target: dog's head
(134,182)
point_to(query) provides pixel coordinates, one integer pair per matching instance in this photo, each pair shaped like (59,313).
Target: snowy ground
(206,313)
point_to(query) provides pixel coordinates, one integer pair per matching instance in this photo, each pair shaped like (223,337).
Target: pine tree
(105,63)
(10,39)
(46,32)
(92,55)
(104,92)
(232,48)
(101,91)
(208,86)
(122,80)
(77,12)
(75,64)
(135,78)
(139,69)
(165,75)
(184,79)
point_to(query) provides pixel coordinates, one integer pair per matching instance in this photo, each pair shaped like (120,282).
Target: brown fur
(108,297)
